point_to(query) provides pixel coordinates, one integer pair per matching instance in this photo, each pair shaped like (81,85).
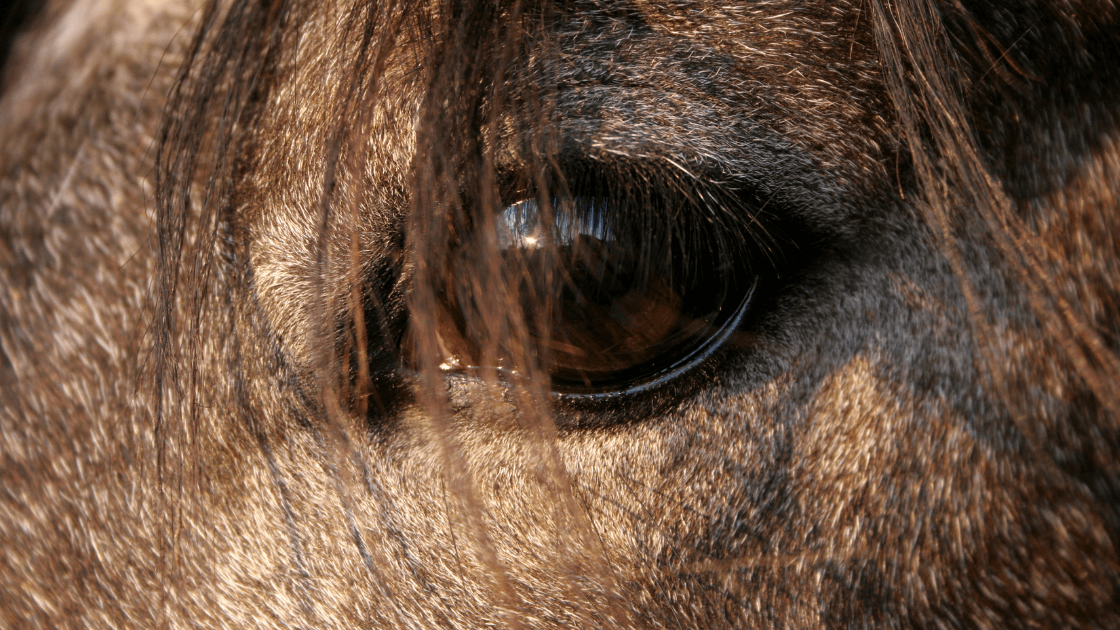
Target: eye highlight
(522,225)
(612,301)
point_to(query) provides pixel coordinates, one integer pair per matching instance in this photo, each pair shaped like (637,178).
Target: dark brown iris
(608,305)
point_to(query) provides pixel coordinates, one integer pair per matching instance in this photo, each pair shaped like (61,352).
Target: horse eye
(612,304)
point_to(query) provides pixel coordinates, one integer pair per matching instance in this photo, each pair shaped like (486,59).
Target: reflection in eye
(520,224)
(610,305)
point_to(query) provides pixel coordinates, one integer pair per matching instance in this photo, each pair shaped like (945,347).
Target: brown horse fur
(228,234)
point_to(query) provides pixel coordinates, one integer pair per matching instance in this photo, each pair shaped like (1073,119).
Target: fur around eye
(537,315)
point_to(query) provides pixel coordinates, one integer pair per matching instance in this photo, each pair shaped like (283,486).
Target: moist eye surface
(611,300)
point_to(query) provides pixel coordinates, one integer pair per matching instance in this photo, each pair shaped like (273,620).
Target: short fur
(227,234)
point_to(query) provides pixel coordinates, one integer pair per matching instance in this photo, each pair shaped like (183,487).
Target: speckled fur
(917,426)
